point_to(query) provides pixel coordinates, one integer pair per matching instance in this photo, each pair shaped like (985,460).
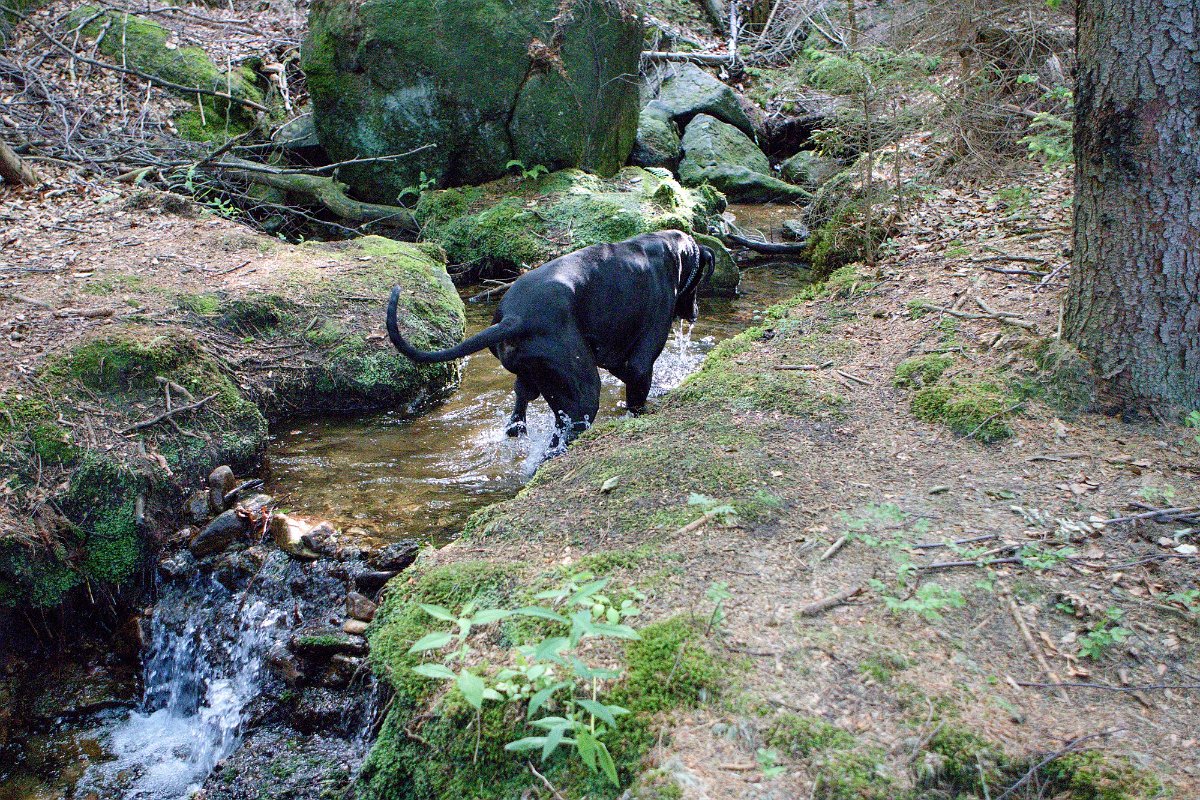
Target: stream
(395,476)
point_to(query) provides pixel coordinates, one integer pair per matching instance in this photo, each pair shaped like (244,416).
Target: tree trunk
(15,171)
(1133,305)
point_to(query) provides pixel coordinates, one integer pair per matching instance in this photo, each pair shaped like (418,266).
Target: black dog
(608,305)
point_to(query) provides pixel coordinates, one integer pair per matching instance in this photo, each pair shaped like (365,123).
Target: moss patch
(918,371)
(516,223)
(969,409)
(803,736)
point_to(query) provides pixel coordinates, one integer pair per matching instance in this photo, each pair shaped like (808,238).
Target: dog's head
(692,277)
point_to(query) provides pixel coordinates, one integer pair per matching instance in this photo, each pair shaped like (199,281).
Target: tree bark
(14,170)
(1133,305)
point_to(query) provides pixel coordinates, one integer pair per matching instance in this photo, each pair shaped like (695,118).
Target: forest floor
(812,458)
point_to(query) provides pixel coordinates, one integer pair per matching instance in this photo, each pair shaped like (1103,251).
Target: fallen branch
(15,171)
(695,58)
(989,562)
(820,606)
(854,378)
(696,523)
(1036,768)
(557,794)
(1011,320)
(833,548)
(988,419)
(168,414)
(803,367)
(326,191)
(930,545)
(770,248)
(1110,688)
(1056,456)
(487,293)
(1034,650)
(1180,514)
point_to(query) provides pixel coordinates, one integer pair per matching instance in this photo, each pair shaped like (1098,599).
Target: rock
(321,538)
(284,663)
(690,91)
(180,565)
(359,606)
(220,482)
(288,535)
(726,275)
(256,507)
(657,142)
(795,229)
(299,133)
(512,224)
(342,669)
(372,581)
(198,508)
(486,81)
(235,570)
(720,154)
(323,641)
(396,556)
(222,532)
(809,170)
(354,627)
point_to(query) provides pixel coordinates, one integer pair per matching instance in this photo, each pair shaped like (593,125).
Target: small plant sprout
(718,592)
(713,508)
(530,174)
(1192,420)
(426,184)
(560,690)
(768,762)
(1104,634)
(927,601)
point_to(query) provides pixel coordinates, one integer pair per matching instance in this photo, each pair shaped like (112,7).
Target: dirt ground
(806,474)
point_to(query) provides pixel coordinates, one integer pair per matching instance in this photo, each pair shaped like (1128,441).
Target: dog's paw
(515,429)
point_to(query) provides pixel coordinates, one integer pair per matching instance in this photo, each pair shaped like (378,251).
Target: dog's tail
(505,329)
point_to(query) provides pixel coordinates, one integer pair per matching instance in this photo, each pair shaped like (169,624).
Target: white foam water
(203,666)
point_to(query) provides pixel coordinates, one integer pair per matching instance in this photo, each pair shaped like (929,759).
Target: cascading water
(203,667)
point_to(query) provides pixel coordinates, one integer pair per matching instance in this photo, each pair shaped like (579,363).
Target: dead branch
(1180,514)
(326,191)
(15,171)
(973,539)
(820,606)
(1034,650)
(695,58)
(168,414)
(833,548)
(1036,768)
(770,248)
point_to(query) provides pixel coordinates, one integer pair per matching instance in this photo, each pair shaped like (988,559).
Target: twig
(833,548)
(854,378)
(1029,272)
(1008,410)
(1034,650)
(168,414)
(820,606)
(1111,688)
(930,545)
(545,780)
(988,563)
(1158,515)
(189,90)
(1011,320)
(696,523)
(1036,768)
(695,58)
(1056,456)
(487,293)
(803,367)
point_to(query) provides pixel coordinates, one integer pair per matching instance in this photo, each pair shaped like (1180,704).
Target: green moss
(204,304)
(802,736)
(1092,775)
(968,409)
(965,761)
(853,775)
(113,283)
(120,363)
(668,668)
(256,314)
(883,666)
(1064,378)
(918,371)
(142,44)
(52,444)
(34,576)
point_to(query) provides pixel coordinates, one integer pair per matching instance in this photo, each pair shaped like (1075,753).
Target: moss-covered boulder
(518,222)
(658,142)
(486,81)
(808,169)
(717,153)
(689,91)
(94,468)
(144,45)
(726,276)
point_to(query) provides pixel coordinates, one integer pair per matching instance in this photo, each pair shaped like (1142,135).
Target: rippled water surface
(404,476)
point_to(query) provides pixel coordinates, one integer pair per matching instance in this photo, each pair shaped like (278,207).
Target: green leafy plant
(551,678)
(768,762)
(718,592)
(426,184)
(927,601)
(530,174)
(1192,420)
(1188,598)
(1164,494)
(1103,635)
(1050,140)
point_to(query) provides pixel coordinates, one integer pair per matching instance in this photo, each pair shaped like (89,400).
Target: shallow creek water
(400,475)
(397,475)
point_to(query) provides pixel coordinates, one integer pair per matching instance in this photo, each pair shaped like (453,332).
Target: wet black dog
(608,305)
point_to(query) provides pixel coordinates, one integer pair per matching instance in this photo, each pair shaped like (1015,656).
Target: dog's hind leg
(526,392)
(574,398)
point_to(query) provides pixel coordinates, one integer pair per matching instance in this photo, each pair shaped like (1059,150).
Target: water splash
(203,667)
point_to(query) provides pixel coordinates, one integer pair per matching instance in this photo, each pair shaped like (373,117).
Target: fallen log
(326,191)
(770,248)
(14,170)
(695,58)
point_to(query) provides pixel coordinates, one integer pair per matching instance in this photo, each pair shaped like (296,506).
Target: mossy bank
(94,466)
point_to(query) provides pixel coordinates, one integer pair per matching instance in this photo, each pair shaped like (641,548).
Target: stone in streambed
(220,482)
(354,627)
(222,532)
(721,155)
(288,535)
(361,607)
(396,556)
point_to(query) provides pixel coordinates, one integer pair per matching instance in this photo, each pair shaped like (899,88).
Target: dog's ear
(708,263)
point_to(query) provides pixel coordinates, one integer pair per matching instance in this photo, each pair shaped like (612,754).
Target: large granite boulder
(550,82)
(809,170)
(690,91)
(719,154)
(658,142)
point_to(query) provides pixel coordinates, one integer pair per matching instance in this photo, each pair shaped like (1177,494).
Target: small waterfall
(203,667)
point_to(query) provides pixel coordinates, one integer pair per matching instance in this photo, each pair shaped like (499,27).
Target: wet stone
(361,607)
(354,627)
(198,510)
(222,532)
(342,670)
(372,581)
(396,556)
(323,640)
(220,481)
(285,665)
(180,565)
